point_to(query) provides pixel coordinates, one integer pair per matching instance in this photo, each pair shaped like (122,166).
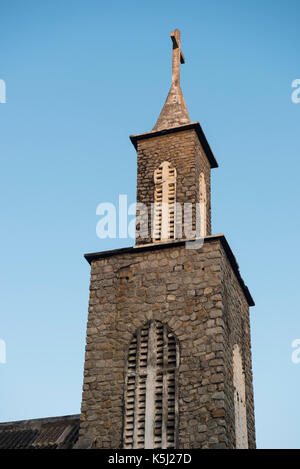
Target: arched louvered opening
(203,203)
(164,202)
(151,405)
(241,433)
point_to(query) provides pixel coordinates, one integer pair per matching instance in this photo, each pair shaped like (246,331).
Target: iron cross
(178,57)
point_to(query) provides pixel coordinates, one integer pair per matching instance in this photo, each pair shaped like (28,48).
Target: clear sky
(81,76)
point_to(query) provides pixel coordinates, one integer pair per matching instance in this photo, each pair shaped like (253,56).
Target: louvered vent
(241,433)
(150,389)
(164,202)
(203,203)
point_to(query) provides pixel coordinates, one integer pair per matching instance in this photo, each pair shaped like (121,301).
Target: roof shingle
(47,433)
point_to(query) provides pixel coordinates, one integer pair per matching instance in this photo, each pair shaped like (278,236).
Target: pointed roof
(174,112)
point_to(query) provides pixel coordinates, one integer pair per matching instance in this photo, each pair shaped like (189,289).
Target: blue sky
(81,77)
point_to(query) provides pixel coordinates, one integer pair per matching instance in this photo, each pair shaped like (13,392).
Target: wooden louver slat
(150,414)
(164,202)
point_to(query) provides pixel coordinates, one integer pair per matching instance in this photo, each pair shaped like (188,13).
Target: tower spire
(174,112)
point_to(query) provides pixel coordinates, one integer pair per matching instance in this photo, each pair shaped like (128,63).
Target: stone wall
(184,151)
(197,294)
(237,331)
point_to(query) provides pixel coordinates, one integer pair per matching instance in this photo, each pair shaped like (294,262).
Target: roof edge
(40,420)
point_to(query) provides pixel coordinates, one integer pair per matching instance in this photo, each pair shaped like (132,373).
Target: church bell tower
(168,354)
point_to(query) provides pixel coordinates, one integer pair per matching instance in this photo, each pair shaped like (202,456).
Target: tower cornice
(192,126)
(175,243)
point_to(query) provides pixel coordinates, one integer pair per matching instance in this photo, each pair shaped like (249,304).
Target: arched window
(164,202)
(203,201)
(241,434)
(150,414)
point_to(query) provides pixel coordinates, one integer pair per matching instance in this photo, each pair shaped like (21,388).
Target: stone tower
(168,357)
